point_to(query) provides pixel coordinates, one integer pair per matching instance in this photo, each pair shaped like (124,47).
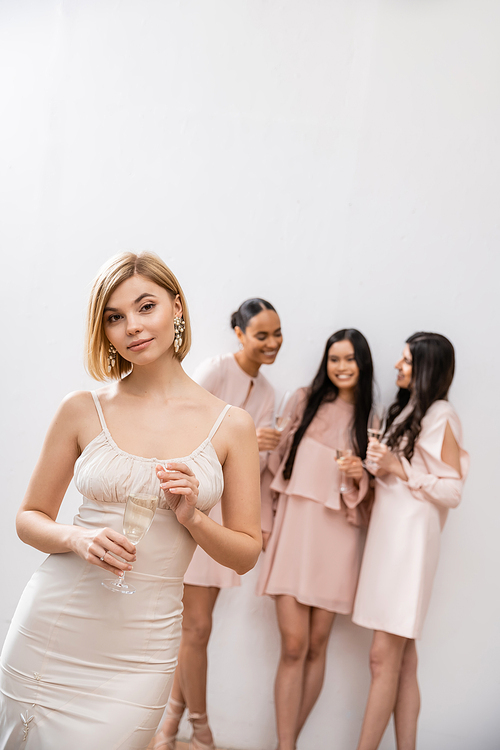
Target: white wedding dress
(84,668)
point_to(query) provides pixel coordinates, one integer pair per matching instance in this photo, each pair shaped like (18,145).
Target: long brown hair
(433,367)
(322,390)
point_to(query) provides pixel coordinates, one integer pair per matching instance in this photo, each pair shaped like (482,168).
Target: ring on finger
(104,555)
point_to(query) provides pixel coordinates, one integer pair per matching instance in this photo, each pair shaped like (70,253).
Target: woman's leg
(320,626)
(293,622)
(386,656)
(408,701)
(190,680)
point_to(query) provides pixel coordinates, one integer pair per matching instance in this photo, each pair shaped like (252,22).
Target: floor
(185,746)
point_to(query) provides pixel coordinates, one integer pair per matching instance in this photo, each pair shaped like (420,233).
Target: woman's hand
(181,489)
(267,438)
(379,455)
(95,545)
(351,466)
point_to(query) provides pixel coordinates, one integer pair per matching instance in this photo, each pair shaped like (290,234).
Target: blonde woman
(78,659)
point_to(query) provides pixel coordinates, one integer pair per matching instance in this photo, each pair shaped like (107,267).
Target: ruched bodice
(80,660)
(104,473)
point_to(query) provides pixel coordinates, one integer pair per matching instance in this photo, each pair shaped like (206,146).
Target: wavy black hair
(322,390)
(433,367)
(248,310)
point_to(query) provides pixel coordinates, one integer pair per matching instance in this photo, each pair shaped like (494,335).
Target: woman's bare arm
(238,542)
(36,519)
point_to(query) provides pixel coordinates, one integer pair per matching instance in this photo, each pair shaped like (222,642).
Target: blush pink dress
(402,546)
(314,552)
(223,377)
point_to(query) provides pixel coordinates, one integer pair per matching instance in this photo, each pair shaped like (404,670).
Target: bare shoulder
(76,405)
(238,437)
(239,422)
(77,418)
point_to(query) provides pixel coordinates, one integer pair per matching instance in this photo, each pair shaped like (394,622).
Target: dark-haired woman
(235,378)
(421,470)
(314,553)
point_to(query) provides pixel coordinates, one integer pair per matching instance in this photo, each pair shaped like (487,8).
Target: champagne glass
(140,509)
(376,429)
(376,422)
(280,420)
(345,482)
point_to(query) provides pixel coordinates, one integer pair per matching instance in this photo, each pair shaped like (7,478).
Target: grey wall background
(340,158)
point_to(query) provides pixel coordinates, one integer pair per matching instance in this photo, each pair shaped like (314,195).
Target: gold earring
(111,357)
(179,328)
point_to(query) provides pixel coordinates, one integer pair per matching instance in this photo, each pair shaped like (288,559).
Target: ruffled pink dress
(402,546)
(223,377)
(314,552)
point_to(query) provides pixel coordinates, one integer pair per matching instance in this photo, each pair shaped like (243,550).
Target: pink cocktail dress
(223,377)
(402,546)
(314,552)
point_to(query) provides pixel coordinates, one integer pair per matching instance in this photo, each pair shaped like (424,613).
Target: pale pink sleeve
(441,484)
(357,494)
(267,413)
(269,497)
(266,420)
(209,375)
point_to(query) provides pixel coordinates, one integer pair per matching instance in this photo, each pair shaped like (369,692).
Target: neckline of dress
(158,460)
(242,371)
(107,435)
(105,431)
(341,402)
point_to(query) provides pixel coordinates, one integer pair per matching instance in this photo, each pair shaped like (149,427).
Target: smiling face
(405,368)
(139,320)
(262,338)
(342,368)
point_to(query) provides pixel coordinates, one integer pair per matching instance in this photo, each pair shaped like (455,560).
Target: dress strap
(99,410)
(219,420)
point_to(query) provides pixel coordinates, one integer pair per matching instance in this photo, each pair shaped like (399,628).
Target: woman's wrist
(194,521)
(397,468)
(71,537)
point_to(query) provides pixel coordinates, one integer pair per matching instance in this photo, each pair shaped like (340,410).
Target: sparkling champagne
(138,516)
(140,509)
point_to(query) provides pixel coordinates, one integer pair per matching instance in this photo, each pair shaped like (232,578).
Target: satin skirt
(83,667)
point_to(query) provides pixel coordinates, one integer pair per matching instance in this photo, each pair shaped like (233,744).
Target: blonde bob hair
(119,268)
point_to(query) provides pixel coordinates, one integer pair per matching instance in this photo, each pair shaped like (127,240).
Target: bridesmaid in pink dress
(236,379)
(314,553)
(421,470)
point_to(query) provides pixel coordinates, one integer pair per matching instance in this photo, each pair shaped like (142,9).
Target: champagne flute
(345,482)
(280,420)
(140,509)
(376,422)
(376,429)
